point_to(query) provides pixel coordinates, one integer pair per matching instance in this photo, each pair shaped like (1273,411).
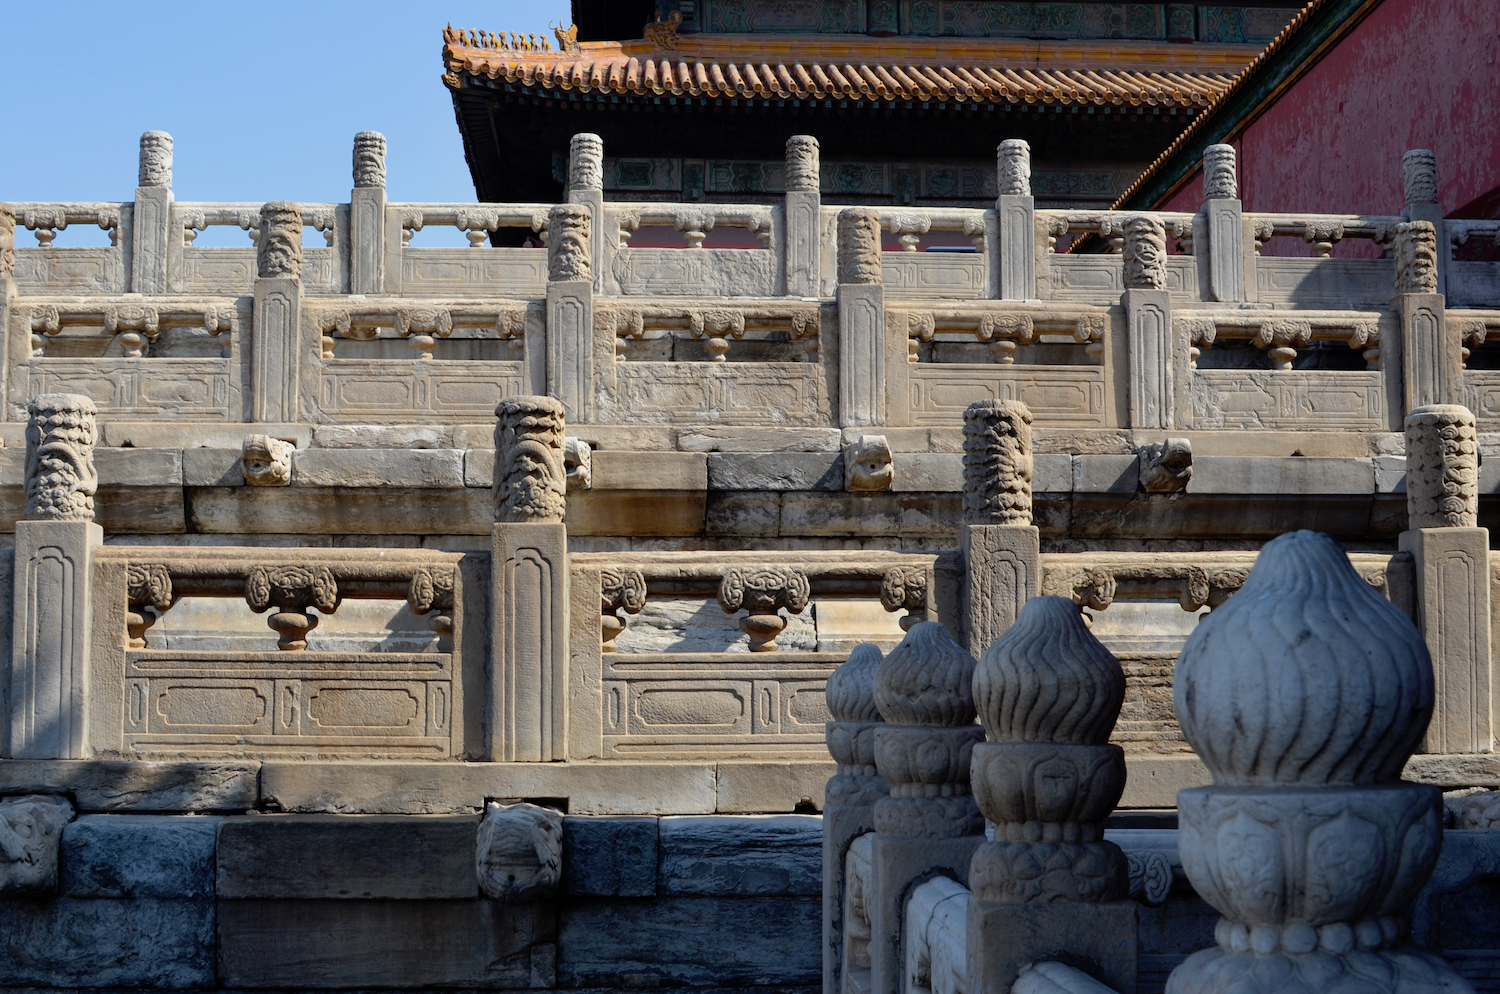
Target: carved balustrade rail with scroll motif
(764,703)
(149,701)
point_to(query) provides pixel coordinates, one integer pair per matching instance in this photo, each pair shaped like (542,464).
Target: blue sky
(262,99)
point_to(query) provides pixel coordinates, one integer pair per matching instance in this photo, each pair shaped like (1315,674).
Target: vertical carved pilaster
(1224,220)
(803,237)
(861,301)
(527,711)
(53,587)
(1149,321)
(277,348)
(151,218)
(367,215)
(1015,253)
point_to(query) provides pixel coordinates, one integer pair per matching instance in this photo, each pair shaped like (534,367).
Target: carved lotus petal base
(928,817)
(1410,971)
(855,791)
(1021,782)
(923,756)
(1306,858)
(852,743)
(291,629)
(1021,872)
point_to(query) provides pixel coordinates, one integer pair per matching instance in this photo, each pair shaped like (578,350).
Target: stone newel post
(151,219)
(1000,546)
(804,204)
(862,338)
(850,797)
(55,545)
(527,710)
(929,823)
(573,356)
(1451,555)
(1016,209)
(1304,695)
(1049,694)
(1148,312)
(1223,220)
(367,215)
(278,348)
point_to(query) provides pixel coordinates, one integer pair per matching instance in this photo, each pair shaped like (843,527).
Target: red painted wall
(1413,74)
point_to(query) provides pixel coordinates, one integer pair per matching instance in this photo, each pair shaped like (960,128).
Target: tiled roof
(1006,73)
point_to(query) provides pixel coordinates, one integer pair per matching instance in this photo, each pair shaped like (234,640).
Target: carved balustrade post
(282,349)
(8,272)
(1304,695)
(1451,557)
(1419,184)
(151,218)
(367,208)
(1014,257)
(762,592)
(1000,546)
(53,588)
(571,345)
(1153,365)
(803,235)
(850,796)
(1431,347)
(586,189)
(1049,885)
(1223,224)
(929,824)
(863,343)
(527,712)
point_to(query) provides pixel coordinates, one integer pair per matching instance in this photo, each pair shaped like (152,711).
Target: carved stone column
(1304,695)
(52,610)
(804,204)
(1148,312)
(367,215)
(1224,222)
(527,712)
(862,338)
(1016,254)
(1049,884)
(278,349)
(1419,184)
(1000,546)
(929,823)
(586,189)
(573,356)
(850,797)
(1431,348)
(1451,555)
(151,219)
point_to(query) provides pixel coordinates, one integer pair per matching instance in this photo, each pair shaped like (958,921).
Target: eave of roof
(858,67)
(1305,40)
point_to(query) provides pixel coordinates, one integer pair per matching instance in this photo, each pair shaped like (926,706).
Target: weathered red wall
(1413,74)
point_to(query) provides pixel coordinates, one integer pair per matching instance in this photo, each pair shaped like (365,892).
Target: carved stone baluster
(905,588)
(293,591)
(851,793)
(1000,546)
(1048,694)
(431,591)
(620,588)
(762,592)
(929,823)
(146,586)
(1304,695)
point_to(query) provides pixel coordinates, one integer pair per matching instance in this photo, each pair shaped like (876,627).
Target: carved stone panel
(1289,399)
(1335,283)
(774,393)
(939,274)
(1072,397)
(696,272)
(485,272)
(190,389)
(69,270)
(374,391)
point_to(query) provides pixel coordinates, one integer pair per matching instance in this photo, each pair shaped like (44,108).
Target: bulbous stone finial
(850,692)
(1013,160)
(1048,679)
(1307,676)
(926,680)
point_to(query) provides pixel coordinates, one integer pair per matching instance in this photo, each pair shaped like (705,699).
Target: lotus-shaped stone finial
(926,680)
(851,688)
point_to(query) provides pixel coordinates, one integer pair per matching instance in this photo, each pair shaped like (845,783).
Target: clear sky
(261,98)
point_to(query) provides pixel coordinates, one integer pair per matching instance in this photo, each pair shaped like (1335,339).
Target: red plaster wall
(1413,74)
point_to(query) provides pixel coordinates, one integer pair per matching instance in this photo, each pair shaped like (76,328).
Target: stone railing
(1137,337)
